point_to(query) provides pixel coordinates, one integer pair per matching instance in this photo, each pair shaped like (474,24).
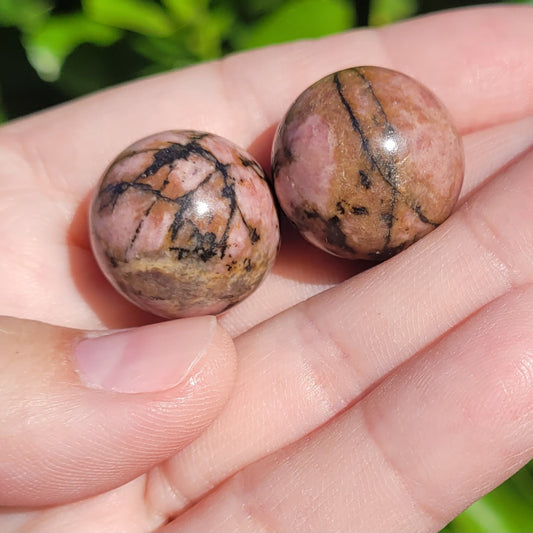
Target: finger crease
(325,359)
(490,240)
(425,510)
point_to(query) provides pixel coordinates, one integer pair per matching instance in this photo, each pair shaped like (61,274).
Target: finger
(305,365)
(302,271)
(83,412)
(489,150)
(437,434)
(32,289)
(61,153)
(489,85)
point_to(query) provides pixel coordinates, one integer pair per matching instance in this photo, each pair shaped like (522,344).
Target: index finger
(480,68)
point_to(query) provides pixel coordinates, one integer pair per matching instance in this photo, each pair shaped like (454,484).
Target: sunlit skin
(384,398)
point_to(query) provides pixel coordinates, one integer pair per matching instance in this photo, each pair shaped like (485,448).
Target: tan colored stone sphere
(366,162)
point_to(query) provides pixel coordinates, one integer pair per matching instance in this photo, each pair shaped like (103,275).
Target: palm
(48,272)
(47,211)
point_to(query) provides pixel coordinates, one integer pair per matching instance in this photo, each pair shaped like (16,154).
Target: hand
(389,401)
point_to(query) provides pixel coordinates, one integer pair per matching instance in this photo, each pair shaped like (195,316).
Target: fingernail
(146,359)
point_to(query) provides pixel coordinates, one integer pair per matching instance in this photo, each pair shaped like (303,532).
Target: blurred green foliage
(296,19)
(387,11)
(508,508)
(52,51)
(55,50)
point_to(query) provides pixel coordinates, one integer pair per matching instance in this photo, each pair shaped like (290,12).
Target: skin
(380,399)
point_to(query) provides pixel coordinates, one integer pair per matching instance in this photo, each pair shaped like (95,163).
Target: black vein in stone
(422,217)
(359,210)
(365,180)
(370,89)
(167,178)
(207,246)
(390,172)
(252,232)
(254,166)
(390,130)
(334,234)
(140,224)
(355,123)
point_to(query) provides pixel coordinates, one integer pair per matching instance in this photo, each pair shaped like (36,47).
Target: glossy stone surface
(366,162)
(183,223)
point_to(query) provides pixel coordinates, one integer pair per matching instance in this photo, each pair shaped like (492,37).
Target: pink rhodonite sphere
(183,223)
(366,162)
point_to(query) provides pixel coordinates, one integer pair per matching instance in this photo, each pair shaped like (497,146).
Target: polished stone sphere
(367,161)
(183,223)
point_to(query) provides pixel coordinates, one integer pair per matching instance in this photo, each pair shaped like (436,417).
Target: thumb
(81,413)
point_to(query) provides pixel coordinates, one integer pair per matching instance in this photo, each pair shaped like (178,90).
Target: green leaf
(185,11)
(298,19)
(48,47)
(387,11)
(89,68)
(24,14)
(522,481)
(162,54)
(256,8)
(507,508)
(495,512)
(140,16)
(205,37)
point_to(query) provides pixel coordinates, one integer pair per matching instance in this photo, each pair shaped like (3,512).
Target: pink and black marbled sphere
(183,223)
(366,162)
